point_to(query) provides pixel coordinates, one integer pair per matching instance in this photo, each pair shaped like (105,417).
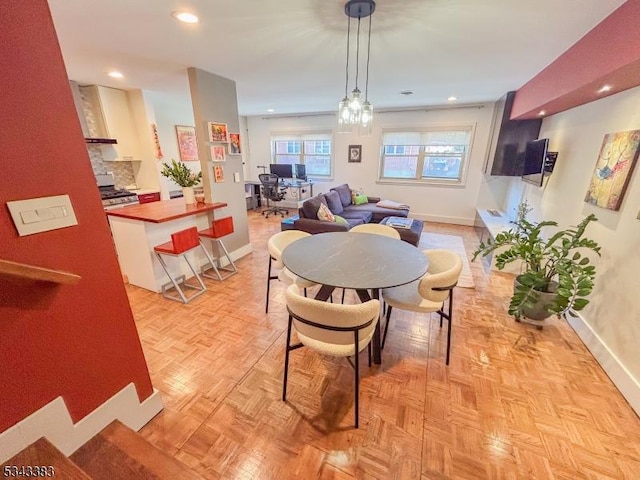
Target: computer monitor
(300,171)
(281,170)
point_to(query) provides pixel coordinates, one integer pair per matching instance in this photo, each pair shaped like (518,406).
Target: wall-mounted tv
(282,170)
(534,161)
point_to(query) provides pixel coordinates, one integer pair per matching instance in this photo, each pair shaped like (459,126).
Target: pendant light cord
(366,86)
(346,83)
(358,51)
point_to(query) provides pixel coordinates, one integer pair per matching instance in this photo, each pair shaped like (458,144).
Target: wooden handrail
(23,270)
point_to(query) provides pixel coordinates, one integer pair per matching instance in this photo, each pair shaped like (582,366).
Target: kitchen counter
(164,211)
(137,229)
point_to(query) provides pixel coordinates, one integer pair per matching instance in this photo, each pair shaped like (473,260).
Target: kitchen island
(138,228)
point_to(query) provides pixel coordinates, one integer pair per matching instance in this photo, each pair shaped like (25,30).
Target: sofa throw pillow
(360,199)
(341,221)
(334,203)
(345,194)
(325,214)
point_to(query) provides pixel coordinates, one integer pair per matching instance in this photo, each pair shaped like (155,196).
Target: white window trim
(459,183)
(301,133)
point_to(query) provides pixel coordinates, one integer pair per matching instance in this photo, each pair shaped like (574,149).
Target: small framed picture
(217,153)
(187,144)
(234,144)
(218,173)
(218,132)
(355,153)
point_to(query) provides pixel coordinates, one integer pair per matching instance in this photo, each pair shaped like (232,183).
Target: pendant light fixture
(354,110)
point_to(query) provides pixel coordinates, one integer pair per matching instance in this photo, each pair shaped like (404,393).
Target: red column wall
(75,341)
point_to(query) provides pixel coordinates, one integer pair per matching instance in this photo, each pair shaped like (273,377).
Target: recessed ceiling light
(270,110)
(541,113)
(185,17)
(406,92)
(452,98)
(115,74)
(605,88)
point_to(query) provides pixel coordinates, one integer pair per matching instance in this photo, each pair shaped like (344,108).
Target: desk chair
(273,191)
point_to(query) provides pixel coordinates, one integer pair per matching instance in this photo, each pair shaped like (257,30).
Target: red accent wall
(608,54)
(75,341)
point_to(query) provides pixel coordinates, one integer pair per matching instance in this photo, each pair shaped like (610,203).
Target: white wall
(169,111)
(614,311)
(453,204)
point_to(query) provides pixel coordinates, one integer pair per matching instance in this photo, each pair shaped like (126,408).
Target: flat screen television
(534,161)
(300,171)
(281,170)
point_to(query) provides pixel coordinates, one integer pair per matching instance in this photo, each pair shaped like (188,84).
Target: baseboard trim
(236,254)
(441,219)
(619,375)
(54,422)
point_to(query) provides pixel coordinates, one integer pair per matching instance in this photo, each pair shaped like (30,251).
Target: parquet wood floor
(515,402)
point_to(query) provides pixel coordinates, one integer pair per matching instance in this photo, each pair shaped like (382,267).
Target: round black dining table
(359,261)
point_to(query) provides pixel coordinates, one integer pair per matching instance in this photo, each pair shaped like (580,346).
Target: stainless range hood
(77,100)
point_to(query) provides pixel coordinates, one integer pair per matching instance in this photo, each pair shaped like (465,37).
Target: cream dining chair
(331,329)
(376,229)
(429,293)
(276,245)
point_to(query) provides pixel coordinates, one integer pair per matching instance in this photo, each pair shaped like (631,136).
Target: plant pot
(539,309)
(188,195)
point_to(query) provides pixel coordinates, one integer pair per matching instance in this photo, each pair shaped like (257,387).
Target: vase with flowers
(183,176)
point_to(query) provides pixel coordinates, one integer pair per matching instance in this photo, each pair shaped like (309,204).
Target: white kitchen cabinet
(115,114)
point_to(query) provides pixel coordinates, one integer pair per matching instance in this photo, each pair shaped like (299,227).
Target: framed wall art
(234,144)
(355,153)
(218,132)
(187,143)
(218,153)
(218,173)
(615,164)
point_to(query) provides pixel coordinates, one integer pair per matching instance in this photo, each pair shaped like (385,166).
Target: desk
(358,261)
(137,229)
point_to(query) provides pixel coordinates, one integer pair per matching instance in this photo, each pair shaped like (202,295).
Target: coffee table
(357,261)
(410,235)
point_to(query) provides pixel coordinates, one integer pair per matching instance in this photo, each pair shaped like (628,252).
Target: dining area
(382,272)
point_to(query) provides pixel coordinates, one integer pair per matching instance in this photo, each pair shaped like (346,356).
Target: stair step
(44,455)
(119,452)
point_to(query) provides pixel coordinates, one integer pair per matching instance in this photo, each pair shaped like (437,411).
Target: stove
(112,197)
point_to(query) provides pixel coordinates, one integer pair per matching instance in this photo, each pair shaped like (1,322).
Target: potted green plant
(557,275)
(183,176)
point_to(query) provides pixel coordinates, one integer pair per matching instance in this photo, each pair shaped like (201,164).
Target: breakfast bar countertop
(164,211)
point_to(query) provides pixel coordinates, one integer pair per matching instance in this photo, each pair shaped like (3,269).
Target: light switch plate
(37,215)
(236,177)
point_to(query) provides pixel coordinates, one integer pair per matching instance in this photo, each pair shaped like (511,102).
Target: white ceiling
(289,55)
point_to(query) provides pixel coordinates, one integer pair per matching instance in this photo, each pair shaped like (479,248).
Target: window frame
(421,156)
(299,136)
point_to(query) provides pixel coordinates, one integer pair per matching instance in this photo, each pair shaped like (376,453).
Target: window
(312,150)
(435,154)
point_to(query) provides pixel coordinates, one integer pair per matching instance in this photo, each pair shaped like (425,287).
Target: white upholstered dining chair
(429,293)
(276,245)
(376,229)
(332,329)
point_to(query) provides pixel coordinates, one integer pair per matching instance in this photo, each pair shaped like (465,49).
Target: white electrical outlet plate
(37,215)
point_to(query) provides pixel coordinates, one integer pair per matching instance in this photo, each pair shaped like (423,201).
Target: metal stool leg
(175,283)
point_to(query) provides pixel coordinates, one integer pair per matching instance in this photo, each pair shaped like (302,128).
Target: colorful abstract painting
(614,167)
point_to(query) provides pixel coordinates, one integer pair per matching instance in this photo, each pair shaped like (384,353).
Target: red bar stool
(219,228)
(181,243)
